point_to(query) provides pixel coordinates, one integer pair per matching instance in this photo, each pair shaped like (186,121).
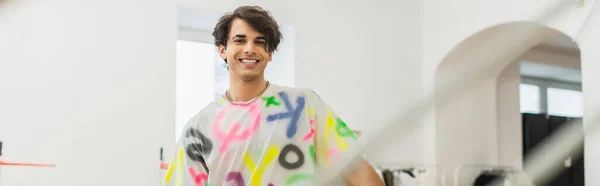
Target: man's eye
(260,42)
(238,40)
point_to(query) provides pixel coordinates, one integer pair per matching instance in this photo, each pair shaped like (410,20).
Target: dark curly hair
(258,18)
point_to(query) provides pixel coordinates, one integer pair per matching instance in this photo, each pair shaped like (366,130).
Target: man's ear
(222,52)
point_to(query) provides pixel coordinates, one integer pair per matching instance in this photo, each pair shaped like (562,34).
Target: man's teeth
(248,61)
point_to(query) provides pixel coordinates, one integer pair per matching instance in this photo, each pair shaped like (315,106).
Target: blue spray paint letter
(292,113)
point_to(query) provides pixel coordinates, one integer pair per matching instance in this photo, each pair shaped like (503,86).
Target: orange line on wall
(5,163)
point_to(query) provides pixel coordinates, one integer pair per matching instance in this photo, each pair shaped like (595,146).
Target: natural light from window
(563,102)
(195,80)
(529,98)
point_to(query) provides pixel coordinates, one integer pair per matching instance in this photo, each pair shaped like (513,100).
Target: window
(194,80)
(529,97)
(563,102)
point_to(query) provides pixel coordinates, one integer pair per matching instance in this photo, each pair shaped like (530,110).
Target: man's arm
(363,175)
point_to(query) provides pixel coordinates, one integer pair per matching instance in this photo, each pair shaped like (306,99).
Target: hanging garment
(388,178)
(411,172)
(489,180)
(405,178)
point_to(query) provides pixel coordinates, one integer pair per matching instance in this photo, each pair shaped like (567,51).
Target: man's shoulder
(203,116)
(211,108)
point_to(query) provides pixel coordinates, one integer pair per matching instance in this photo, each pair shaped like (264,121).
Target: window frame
(545,84)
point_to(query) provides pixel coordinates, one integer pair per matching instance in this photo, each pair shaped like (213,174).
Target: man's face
(246,51)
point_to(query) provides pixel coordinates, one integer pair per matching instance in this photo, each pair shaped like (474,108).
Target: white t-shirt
(283,137)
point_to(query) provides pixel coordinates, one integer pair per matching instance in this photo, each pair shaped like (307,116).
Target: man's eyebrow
(244,36)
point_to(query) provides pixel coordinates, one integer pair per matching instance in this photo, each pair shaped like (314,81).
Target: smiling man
(259,133)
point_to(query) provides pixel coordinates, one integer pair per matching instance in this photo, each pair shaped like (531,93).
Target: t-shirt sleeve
(188,166)
(333,137)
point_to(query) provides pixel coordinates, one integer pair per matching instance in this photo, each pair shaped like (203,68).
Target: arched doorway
(475,129)
(544,87)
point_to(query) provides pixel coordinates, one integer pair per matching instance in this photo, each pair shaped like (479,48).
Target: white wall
(365,74)
(509,123)
(466,128)
(281,70)
(88,86)
(590,69)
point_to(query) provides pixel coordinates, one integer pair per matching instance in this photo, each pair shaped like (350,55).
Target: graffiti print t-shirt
(283,137)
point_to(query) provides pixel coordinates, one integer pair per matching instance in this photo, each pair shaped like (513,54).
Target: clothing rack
(413,167)
(491,169)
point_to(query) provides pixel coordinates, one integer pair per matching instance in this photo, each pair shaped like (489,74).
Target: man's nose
(250,48)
